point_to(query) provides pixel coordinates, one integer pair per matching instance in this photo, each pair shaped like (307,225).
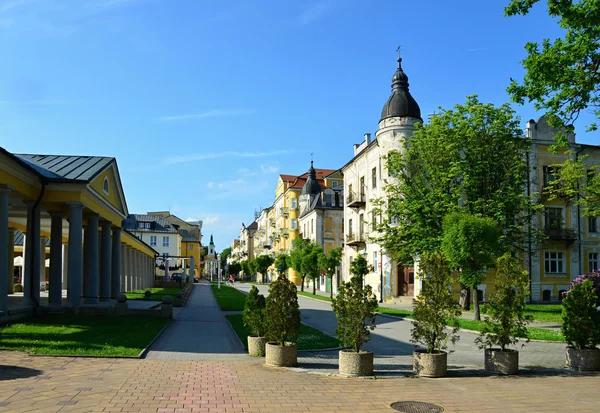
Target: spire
(211,240)
(400,104)
(311,186)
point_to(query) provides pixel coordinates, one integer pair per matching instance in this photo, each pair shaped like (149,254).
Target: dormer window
(105,186)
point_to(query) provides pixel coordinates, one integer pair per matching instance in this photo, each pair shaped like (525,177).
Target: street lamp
(219,270)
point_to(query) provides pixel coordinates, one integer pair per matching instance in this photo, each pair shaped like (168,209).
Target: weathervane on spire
(398,51)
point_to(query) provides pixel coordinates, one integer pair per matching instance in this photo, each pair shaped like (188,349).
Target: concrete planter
(430,364)
(501,362)
(354,364)
(281,356)
(256,346)
(583,360)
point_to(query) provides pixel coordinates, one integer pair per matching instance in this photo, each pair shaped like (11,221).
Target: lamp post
(219,270)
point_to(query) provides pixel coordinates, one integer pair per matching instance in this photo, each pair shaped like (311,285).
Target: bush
(354,308)
(506,304)
(581,319)
(254,312)
(436,307)
(594,277)
(18,288)
(282,313)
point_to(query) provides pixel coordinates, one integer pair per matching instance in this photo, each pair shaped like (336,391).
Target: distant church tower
(399,114)
(210,268)
(310,190)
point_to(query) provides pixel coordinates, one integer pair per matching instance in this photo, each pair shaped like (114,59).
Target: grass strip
(229,298)
(308,339)
(157,293)
(551,313)
(82,335)
(317,296)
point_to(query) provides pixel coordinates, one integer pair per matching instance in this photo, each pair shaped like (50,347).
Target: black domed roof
(311,186)
(400,104)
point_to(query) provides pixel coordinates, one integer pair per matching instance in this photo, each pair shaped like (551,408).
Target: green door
(328,284)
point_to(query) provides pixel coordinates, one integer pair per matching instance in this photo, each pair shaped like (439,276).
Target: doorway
(406,281)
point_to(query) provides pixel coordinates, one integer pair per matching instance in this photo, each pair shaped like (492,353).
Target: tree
(282,263)
(310,263)
(470,159)
(224,254)
(563,76)
(253,267)
(254,311)
(263,262)
(245,267)
(282,312)
(299,247)
(359,267)
(470,244)
(235,268)
(329,262)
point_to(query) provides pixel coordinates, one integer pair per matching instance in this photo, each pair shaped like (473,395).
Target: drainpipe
(31,261)
(380,262)
(579,217)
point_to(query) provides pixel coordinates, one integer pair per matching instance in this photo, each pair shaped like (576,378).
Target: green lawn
(318,297)
(157,293)
(308,339)
(550,313)
(228,298)
(394,311)
(82,335)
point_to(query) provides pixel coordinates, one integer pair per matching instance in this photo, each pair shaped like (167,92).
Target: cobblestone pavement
(66,384)
(199,331)
(393,351)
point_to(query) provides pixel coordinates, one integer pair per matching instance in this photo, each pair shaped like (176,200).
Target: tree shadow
(16,372)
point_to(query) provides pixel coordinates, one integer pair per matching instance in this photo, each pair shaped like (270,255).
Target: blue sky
(204,103)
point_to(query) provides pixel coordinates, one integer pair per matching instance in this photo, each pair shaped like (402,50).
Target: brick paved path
(199,331)
(57,384)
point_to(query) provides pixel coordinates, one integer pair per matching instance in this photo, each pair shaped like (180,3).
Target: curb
(145,349)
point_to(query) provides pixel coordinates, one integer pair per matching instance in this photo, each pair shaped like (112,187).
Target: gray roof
(161,223)
(400,104)
(317,203)
(187,237)
(73,168)
(19,238)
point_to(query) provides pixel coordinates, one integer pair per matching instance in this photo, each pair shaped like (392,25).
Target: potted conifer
(581,322)
(505,322)
(282,322)
(436,308)
(354,307)
(253,316)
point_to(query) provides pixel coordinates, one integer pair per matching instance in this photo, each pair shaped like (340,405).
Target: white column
(31,278)
(105,261)
(5,275)
(123,267)
(65,261)
(42,279)
(115,272)
(90,251)
(192,267)
(11,257)
(56,255)
(75,255)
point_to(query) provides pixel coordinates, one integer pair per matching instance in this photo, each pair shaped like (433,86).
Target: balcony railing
(354,200)
(285,232)
(561,234)
(284,211)
(355,239)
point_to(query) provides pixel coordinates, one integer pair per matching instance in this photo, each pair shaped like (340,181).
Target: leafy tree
(253,267)
(354,308)
(310,263)
(263,262)
(506,322)
(299,248)
(436,307)
(235,268)
(254,311)
(224,254)
(359,267)
(283,263)
(282,313)
(328,262)
(245,267)
(562,76)
(470,244)
(469,159)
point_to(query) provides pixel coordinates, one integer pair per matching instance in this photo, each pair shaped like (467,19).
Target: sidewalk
(199,331)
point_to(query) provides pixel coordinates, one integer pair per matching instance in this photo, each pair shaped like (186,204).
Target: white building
(364,179)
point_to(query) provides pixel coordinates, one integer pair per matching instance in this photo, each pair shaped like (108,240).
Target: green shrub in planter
(282,313)
(254,311)
(18,288)
(505,322)
(581,319)
(354,307)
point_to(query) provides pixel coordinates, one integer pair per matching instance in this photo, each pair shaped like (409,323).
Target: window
(191,247)
(327,199)
(153,240)
(165,241)
(361,224)
(546,295)
(350,192)
(294,223)
(105,187)
(362,187)
(553,218)
(294,203)
(374,261)
(311,226)
(147,225)
(592,224)
(554,262)
(374,178)
(350,226)
(334,184)
(593,259)
(373,221)
(140,225)
(549,174)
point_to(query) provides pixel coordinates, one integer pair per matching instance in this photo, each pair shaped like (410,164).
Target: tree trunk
(314,286)
(464,298)
(302,285)
(475,303)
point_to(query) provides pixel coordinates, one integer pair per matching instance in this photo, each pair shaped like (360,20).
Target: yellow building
(77,202)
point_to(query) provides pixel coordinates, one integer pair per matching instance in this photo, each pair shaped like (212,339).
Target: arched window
(105,186)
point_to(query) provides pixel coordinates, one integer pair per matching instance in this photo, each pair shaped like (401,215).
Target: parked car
(177,277)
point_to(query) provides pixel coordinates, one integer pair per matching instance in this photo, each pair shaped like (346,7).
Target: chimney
(367,138)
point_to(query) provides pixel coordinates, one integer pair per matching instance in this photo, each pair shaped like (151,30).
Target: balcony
(354,200)
(355,239)
(284,232)
(284,211)
(272,223)
(561,234)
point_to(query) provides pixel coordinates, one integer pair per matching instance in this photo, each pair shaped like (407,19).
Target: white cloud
(5,23)
(211,220)
(269,169)
(211,184)
(208,114)
(8,5)
(112,4)
(39,102)
(247,172)
(314,13)
(226,154)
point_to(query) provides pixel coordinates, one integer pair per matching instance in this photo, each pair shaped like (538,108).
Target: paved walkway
(390,343)
(199,331)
